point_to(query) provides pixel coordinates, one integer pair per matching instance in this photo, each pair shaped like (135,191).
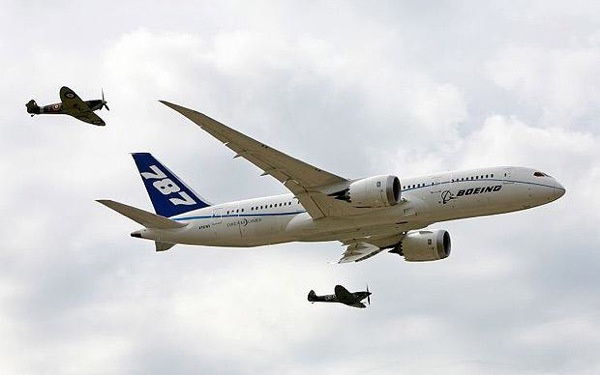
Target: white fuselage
(425,200)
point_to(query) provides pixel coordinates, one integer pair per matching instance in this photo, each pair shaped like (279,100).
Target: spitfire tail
(312,296)
(169,195)
(32,107)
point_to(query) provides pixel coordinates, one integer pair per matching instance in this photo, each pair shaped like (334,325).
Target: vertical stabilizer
(169,195)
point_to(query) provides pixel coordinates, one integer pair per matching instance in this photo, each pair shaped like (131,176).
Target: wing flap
(362,248)
(359,251)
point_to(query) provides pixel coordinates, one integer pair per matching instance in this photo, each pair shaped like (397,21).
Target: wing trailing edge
(358,251)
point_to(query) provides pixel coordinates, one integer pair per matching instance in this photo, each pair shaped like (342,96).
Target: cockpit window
(540,174)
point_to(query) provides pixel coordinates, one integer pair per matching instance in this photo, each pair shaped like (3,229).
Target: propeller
(368,295)
(104,102)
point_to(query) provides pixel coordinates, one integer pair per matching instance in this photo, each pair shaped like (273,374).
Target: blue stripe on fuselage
(240,215)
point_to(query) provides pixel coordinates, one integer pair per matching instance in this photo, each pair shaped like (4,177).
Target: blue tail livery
(169,195)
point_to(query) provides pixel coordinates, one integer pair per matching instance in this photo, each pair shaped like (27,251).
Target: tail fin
(312,296)
(169,195)
(32,107)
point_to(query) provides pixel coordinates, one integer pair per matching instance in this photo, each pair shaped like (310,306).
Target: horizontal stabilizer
(147,219)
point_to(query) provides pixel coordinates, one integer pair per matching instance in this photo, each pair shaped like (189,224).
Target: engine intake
(372,192)
(424,246)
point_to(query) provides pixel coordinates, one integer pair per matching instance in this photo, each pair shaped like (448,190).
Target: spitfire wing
(304,180)
(74,106)
(91,118)
(344,296)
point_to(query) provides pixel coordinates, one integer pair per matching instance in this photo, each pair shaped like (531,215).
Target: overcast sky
(355,87)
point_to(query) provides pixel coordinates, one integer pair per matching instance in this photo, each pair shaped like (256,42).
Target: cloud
(560,85)
(393,88)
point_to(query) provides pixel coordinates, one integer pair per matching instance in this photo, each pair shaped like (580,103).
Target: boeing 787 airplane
(367,215)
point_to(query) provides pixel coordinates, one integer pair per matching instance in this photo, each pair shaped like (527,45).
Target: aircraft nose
(559,190)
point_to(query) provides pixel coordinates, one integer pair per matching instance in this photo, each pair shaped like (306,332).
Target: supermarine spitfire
(342,295)
(71,105)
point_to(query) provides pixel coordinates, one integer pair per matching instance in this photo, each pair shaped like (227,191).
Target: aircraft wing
(358,251)
(74,106)
(305,181)
(344,296)
(372,240)
(91,118)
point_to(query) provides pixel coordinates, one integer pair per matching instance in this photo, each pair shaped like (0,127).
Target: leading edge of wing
(67,94)
(302,179)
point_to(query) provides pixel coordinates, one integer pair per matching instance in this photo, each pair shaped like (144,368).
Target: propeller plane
(73,106)
(342,295)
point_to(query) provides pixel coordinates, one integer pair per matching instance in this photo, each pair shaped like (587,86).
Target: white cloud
(560,85)
(388,88)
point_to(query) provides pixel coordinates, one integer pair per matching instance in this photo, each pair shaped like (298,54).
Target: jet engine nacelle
(377,191)
(424,246)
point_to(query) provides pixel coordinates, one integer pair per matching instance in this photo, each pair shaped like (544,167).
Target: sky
(357,88)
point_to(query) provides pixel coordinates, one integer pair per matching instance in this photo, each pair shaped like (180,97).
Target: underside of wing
(358,249)
(90,117)
(306,181)
(74,106)
(71,100)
